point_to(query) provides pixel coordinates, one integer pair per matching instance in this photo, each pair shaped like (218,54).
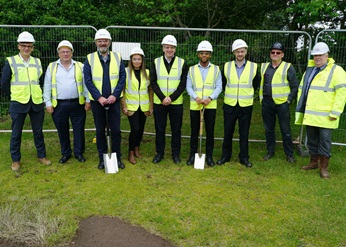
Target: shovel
(199,157)
(110,159)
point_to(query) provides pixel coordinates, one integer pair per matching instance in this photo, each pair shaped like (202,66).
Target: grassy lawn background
(272,204)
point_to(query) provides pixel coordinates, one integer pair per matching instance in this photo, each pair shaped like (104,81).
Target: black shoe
(176,159)
(268,156)
(157,158)
(121,165)
(80,158)
(210,161)
(246,163)
(64,159)
(223,160)
(101,165)
(191,160)
(290,159)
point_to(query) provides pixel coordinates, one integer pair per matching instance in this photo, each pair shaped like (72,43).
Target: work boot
(137,154)
(15,166)
(313,163)
(132,159)
(324,160)
(44,161)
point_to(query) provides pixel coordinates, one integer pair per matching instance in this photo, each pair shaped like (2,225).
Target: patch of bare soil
(111,232)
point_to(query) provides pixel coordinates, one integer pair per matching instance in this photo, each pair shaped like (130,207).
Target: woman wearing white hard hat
(137,101)
(321,101)
(168,81)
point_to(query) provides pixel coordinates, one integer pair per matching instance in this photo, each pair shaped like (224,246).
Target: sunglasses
(276,52)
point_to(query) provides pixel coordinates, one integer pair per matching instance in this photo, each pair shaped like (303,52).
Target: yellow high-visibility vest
(97,71)
(78,74)
(203,89)
(239,89)
(25,80)
(168,83)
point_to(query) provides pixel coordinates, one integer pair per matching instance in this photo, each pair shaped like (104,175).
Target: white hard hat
(26,37)
(169,40)
(205,46)
(65,43)
(137,50)
(238,43)
(320,48)
(102,34)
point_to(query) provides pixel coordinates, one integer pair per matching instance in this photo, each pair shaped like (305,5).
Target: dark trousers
(230,116)
(319,140)
(209,120)
(269,112)
(175,113)
(63,113)
(36,119)
(99,113)
(137,123)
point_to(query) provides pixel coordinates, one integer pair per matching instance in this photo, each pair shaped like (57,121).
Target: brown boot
(132,159)
(137,154)
(324,160)
(313,163)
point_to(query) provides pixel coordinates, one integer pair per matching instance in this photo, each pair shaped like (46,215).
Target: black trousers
(137,123)
(232,114)
(175,113)
(36,119)
(209,121)
(64,112)
(99,113)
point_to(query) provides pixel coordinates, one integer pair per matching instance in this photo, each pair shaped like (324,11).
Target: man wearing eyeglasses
(321,101)
(278,88)
(20,78)
(66,98)
(168,81)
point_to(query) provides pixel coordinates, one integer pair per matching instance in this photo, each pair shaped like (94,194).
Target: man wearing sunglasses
(278,88)
(21,79)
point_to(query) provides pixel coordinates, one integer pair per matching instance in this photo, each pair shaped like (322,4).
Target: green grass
(272,204)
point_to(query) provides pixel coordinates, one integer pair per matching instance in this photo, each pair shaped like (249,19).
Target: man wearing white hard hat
(321,101)
(21,79)
(104,76)
(241,80)
(137,102)
(66,98)
(204,84)
(168,81)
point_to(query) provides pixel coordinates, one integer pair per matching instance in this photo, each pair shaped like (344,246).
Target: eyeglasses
(204,52)
(26,46)
(276,52)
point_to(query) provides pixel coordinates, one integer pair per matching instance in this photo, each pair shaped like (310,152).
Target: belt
(68,100)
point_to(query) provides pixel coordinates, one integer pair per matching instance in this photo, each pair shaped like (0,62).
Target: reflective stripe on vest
(78,75)
(203,89)
(239,89)
(280,86)
(168,83)
(97,70)
(136,97)
(25,80)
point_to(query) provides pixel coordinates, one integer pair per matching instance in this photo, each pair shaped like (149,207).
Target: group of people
(105,86)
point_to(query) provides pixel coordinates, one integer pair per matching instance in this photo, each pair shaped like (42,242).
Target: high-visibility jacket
(136,96)
(168,83)
(326,96)
(25,80)
(280,84)
(239,89)
(78,75)
(203,89)
(97,71)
